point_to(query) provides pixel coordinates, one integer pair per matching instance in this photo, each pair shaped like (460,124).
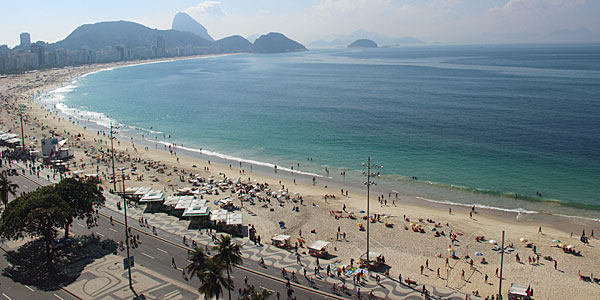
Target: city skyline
(445,21)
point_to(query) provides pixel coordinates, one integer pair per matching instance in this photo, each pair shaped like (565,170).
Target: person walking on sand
(540,230)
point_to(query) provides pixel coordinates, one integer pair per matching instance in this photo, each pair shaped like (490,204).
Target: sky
(445,21)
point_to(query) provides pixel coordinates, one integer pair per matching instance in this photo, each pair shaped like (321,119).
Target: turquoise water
(473,124)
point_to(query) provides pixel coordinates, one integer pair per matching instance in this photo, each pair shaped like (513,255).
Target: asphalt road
(154,253)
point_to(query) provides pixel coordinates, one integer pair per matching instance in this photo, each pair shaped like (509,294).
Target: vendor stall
(281,241)
(519,292)
(318,248)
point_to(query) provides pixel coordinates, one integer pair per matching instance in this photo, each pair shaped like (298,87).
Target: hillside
(183,22)
(275,43)
(130,34)
(234,44)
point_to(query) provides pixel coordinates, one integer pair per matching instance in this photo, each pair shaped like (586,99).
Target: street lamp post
(368,183)
(127,233)
(22,131)
(501,267)
(112,155)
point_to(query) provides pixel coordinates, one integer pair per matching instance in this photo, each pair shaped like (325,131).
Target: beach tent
(374,258)
(281,240)
(318,248)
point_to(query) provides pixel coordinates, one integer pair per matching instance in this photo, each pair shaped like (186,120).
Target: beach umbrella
(524,240)
(412,224)
(556,241)
(562,245)
(570,247)
(296,193)
(450,250)
(493,242)
(478,254)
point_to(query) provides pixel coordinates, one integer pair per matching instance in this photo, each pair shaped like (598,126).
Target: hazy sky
(307,20)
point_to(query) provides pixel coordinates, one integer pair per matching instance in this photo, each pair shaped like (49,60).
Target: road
(154,253)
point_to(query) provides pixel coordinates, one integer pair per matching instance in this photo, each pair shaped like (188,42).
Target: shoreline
(405,250)
(265,167)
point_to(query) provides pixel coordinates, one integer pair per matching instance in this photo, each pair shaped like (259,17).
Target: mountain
(183,22)
(234,44)
(338,41)
(129,34)
(362,43)
(276,42)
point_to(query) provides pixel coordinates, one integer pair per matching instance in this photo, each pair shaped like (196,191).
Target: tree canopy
(41,213)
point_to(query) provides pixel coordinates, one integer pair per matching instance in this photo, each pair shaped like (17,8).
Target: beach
(319,217)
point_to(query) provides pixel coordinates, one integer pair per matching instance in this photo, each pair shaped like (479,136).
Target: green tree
(197,262)
(38,215)
(228,253)
(82,197)
(47,213)
(212,279)
(7,187)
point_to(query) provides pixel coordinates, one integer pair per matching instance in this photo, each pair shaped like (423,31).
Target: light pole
(112,155)
(126,231)
(22,131)
(501,267)
(368,183)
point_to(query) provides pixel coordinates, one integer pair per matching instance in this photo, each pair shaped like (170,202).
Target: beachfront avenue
(154,254)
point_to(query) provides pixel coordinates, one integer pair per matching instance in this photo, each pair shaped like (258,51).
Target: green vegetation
(41,213)
(229,254)
(210,269)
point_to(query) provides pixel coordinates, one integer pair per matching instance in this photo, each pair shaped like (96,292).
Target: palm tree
(212,279)
(229,254)
(7,187)
(197,262)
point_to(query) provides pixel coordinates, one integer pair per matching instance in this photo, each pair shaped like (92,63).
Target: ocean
(487,125)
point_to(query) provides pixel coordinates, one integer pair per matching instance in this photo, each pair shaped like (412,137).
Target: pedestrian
(173,263)
(555,264)
(400,278)
(246,280)
(421,269)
